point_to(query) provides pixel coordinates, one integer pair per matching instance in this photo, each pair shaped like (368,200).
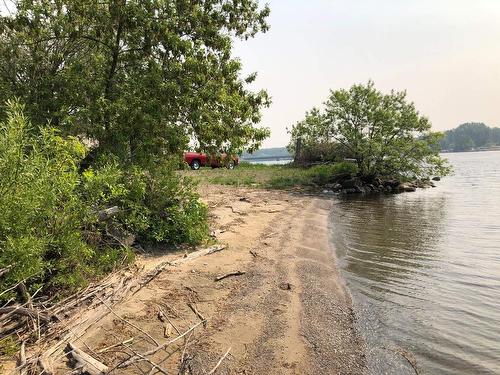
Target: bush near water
(51,236)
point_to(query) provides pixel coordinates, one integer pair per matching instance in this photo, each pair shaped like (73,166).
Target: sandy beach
(288,312)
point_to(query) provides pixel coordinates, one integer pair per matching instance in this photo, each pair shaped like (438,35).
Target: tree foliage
(316,144)
(470,136)
(384,133)
(142,78)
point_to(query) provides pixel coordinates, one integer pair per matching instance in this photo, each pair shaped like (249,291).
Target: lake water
(270,162)
(424,271)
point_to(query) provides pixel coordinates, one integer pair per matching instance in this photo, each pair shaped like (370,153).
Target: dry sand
(290,313)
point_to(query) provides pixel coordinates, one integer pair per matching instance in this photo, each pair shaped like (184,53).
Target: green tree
(315,140)
(384,133)
(141,78)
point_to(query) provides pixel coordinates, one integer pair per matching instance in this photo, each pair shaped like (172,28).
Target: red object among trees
(196,160)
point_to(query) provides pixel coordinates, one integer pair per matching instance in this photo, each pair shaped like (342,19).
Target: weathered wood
(198,314)
(22,359)
(218,363)
(236,273)
(115,345)
(88,363)
(137,358)
(24,311)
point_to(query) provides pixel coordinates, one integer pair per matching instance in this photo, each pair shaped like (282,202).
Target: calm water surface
(424,271)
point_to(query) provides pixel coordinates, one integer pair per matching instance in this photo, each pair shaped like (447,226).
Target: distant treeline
(267,153)
(470,136)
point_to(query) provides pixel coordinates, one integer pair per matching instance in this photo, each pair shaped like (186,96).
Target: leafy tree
(384,133)
(141,78)
(315,140)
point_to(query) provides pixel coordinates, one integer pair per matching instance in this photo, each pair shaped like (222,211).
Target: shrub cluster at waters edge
(50,235)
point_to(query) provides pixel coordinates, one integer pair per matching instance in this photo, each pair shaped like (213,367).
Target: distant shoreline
(496,148)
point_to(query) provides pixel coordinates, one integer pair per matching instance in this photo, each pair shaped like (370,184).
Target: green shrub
(156,204)
(50,234)
(41,214)
(323,174)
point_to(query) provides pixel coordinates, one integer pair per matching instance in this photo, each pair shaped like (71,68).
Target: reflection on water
(424,270)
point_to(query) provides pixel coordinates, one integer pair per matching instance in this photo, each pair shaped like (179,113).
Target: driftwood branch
(123,343)
(20,310)
(159,269)
(87,363)
(22,359)
(129,323)
(198,314)
(236,273)
(137,358)
(218,363)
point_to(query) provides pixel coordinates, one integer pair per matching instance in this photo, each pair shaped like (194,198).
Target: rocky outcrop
(358,185)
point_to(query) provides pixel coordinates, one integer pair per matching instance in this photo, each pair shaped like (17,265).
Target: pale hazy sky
(445,53)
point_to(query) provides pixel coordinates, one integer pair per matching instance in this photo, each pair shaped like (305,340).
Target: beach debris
(141,357)
(192,306)
(236,211)
(254,253)
(167,323)
(123,343)
(235,273)
(245,199)
(285,286)
(87,363)
(61,322)
(22,359)
(218,363)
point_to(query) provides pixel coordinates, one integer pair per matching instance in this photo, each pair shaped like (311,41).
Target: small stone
(285,286)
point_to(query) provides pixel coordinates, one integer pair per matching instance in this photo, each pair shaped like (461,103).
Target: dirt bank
(289,313)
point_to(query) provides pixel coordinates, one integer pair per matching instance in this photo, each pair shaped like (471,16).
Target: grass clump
(276,176)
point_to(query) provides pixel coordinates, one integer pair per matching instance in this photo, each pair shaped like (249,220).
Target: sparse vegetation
(275,176)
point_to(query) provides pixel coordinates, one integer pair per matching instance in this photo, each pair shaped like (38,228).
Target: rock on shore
(357,185)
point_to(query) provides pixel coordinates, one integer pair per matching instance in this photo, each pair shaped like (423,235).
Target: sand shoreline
(289,313)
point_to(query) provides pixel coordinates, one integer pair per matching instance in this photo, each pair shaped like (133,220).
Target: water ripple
(424,269)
